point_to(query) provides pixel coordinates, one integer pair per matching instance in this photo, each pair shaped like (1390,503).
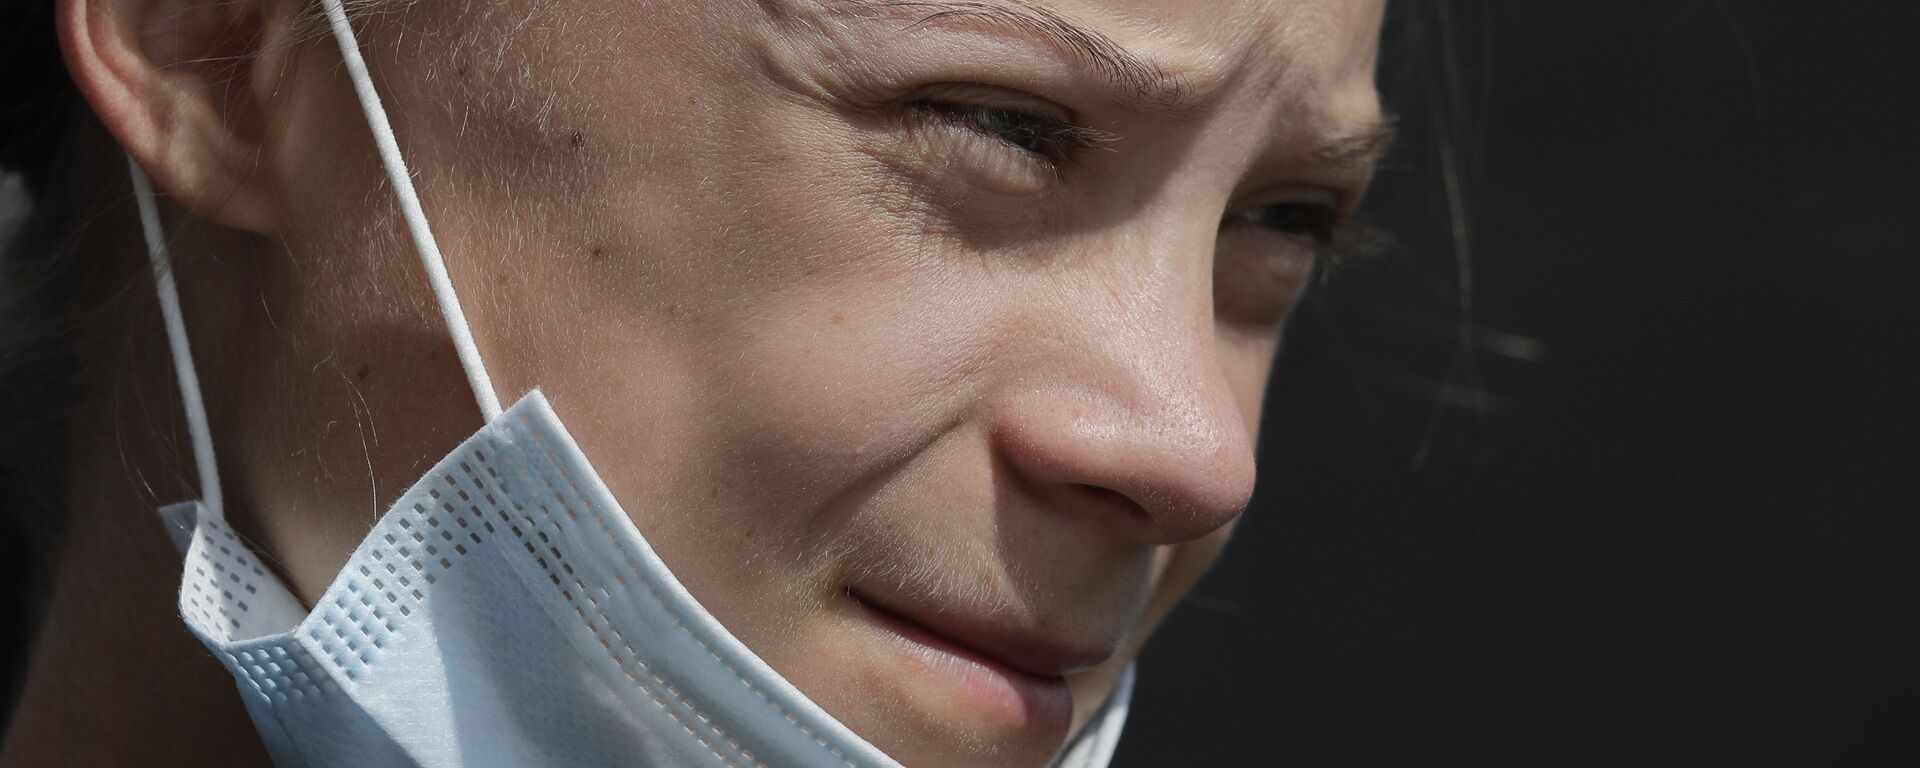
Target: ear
(186,87)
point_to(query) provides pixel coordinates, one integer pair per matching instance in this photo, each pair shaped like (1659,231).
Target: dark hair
(40,94)
(38,284)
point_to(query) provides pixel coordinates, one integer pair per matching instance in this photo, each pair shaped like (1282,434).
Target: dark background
(1675,522)
(1664,512)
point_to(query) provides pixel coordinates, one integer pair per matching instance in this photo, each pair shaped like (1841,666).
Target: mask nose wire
(411,211)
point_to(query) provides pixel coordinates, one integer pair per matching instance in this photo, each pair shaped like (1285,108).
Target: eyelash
(1317,221)
(1051,140)
(1337,240)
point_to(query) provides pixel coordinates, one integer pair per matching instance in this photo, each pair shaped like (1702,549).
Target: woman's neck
(114,677)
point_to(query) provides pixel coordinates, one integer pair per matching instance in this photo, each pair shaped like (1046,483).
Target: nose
(1132,419)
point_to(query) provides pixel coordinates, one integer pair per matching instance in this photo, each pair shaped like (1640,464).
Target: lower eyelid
(996,165)
(1258,279)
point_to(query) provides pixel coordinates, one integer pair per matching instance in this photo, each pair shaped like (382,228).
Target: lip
(1019,676)
(1012,647)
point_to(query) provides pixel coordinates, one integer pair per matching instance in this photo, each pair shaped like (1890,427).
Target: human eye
(1013,141)
(1307,222)
(1269,254)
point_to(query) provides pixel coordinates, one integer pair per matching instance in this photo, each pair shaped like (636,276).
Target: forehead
(1312,59)
(1315,51)
(1336,35)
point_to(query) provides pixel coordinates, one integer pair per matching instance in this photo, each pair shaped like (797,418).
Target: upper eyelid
(993,97)
(1074,136)
(1337,205)
(1130,80)
(1290,182)
(1331,201)
(1326,218)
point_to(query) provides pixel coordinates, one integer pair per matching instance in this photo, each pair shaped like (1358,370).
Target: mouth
(1015,677)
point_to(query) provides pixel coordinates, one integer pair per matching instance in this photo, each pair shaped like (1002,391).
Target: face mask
(504,612)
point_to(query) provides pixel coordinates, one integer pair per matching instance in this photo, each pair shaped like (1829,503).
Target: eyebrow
(1355,149)
(1091,48)
(1358,148)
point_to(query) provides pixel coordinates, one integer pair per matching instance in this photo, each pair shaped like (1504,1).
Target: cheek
(1184,564)
(827,385)
(1246,359)
(1182,568)
(831,332)
(726,315)
(1179,569)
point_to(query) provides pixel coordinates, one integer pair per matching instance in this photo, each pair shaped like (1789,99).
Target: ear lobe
(173,81)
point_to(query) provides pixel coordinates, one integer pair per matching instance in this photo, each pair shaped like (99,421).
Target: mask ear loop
(183,369)
(423,243)
(416,217)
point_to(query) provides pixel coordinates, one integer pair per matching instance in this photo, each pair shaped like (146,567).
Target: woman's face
(925,341)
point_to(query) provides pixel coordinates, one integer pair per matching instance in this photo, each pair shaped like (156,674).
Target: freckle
(692,101)
(673,310)
(597,254)
(361,374)
(749,532)
(837,319)
(501,278)
(574,140)
(465,72)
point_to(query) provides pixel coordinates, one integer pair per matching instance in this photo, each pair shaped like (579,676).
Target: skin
(814,344)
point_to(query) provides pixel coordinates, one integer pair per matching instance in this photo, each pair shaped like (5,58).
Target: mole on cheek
(362,372)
